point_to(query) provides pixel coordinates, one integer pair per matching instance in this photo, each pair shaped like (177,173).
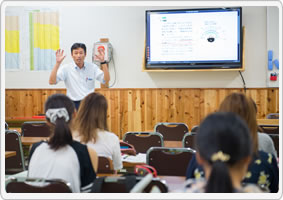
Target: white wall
(125,28)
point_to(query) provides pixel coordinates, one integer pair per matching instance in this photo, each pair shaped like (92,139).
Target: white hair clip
(54,113)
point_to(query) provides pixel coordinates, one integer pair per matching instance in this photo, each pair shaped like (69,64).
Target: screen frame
(196,65)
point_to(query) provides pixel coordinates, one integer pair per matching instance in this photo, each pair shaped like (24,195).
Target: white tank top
(63,164)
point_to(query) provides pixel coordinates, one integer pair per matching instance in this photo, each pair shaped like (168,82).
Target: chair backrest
(169,161)
(269,129)
(189,140)
(195,128)
(105,165)
(13,142)
(142,141)
(35,129)
(124,184)
(272,116)
(33,185)
(275,139)
(6,126)
(172,131)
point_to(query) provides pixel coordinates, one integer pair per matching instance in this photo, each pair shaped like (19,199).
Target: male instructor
(79,76)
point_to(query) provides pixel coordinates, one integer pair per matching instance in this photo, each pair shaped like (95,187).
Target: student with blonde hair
(90,127)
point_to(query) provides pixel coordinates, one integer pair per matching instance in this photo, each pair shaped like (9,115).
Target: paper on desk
(139,158)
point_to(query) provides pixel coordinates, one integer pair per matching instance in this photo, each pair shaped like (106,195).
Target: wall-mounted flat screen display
(209,38)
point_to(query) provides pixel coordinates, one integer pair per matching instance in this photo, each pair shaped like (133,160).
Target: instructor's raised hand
(100,56)
(60,56)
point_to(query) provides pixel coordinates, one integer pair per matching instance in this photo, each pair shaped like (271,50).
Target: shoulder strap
(86,170)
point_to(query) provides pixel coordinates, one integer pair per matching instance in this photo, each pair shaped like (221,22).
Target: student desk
(26,141)
(9,154)
(268,122)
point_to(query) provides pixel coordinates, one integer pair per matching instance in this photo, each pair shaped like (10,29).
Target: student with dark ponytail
(263,169)
(62,157)
(224,150)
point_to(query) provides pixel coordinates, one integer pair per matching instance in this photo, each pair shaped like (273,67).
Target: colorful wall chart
(12,42)
(44,39)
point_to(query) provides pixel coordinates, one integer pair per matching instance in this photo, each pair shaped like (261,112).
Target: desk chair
(13,142)
(37,185)
(195,128)
(275,139)
(189,140)
(172,131)
(169,161)
(142,141)
(272,116)
(124,184)
(6,126)
(269,129)
(35,129)
(105,165)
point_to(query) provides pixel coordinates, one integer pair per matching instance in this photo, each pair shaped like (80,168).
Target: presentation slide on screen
(194,36)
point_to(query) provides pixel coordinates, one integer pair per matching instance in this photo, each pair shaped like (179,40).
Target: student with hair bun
(61,157)
(224,150)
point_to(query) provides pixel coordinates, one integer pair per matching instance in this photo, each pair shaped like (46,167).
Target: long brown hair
(243,106)
(91,116)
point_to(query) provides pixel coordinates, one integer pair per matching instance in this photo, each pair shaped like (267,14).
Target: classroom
(139,93)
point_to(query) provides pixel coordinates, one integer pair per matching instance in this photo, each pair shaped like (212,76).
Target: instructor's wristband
(104,62)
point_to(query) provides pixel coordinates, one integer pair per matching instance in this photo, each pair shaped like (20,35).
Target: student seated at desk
(263,169)
(62,157)
(90,127)
(224,150)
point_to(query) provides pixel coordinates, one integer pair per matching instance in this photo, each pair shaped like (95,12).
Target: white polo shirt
(79,82)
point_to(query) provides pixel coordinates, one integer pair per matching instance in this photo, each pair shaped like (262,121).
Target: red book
(38,117)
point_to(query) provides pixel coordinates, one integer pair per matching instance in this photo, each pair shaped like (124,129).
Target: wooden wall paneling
(28,97)
(137,110)
(198,105)
(262,108)
(106,93)
(167,98)
(159,105)
(148,110)
(141,109)
(273,101)
(166,106)
(23,104)
(8,103)
(154,101)
(130,119)
(188,111)
(210,101)
(116,99)
(202,104)
(176,105)
(126,111)
(112,109)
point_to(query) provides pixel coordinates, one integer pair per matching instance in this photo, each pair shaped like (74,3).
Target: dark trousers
(77,104)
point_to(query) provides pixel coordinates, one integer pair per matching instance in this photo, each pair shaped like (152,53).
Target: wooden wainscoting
(140,109)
